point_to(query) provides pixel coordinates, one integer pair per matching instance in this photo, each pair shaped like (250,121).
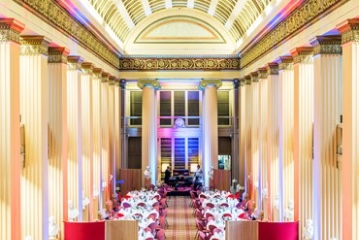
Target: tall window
(223,108)
(136,107)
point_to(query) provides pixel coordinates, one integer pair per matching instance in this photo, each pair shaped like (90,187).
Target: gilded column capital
(327,45)
(302,55)
(87,68)
(10,30)
(74,62)
(285,63)
(241,82)
(247,79)
(105,77)
(210,82)
(272,68)
(97,72)
(34,45)
(58,55)
(262,73)
(254,76)
(349,30)
(149,82)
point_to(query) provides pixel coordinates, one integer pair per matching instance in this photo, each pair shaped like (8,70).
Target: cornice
(349,31)
(34,45)
(210,82)
(179,64)
(10,30)
(327,45)
(295,22)
(149,82)
(58,55)
(57,16)
(302,55)
(74,62)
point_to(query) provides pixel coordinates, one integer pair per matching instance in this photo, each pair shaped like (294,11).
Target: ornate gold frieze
(262,73)
(179,64)
(87,68)
(141,83)
(302,55)
(58,55)
(60,18)
(327,45)
(10,30)
(272,68)
(350,31)
(210,82)
(285,63)
(295,22)
(34,45)
(74,62)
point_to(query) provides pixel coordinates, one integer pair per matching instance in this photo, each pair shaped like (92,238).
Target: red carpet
(180,218)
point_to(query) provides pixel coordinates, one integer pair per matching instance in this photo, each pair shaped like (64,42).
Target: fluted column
(34,111)
(273,141)
(10,164)
(254,138)
(117,132)
(248,137)
(242,130)
(97,140)
(350,165)
(210,127)
(87,138)
(105,140)
(149,127)
(262,141)
(326,178)
(286,114)
(111,124)
(303,133)
(58,137)
(74,132)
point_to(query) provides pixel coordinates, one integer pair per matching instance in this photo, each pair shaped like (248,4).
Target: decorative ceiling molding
(179,64)
(295,22)
(54,14)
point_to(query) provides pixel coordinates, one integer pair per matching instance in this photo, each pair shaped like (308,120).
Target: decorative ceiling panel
(123,15)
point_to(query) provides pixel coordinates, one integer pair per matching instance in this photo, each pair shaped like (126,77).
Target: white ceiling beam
(190,4)
(234,14)
(212,7)
(146,6)
(168,3)
(124,14)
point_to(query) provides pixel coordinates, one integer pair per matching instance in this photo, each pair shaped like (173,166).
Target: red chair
(160,235)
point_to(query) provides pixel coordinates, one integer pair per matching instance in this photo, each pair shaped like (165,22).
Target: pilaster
(117,132)
(248,137)
(111,124)
(242,130)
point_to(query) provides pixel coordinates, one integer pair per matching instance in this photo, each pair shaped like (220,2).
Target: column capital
(210,82)
(247,79)
(285,63)
(241,82)
(236,83)
(105,76)
(74,62)
(327,45)
(302,55)
(272,68)
(349,30)
(10,30)
(141,83)
(97,72)
(112,80)
(262,73)
(34,45)
(58,55)
(254,76)
(87,68)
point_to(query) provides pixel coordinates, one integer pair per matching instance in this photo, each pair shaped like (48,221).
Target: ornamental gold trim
(179,64)
(87,68)
(203,84)
(272,68)
(58,17)
(262,73)
(33,45)
(58,55)
(97,72)
(247,79)
(254,77)
(350,31)
(74,62)
(327,45)
(10,30)
(303,55)
(105,77)
(295,22)
(141,83)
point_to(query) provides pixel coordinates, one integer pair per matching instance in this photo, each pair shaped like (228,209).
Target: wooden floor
(180,219)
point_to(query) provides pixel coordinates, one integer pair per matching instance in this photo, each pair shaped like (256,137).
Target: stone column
(149,128)
(262,141)
(303,133)
(326,175)
(97,139)
(58,134)
(10,163)
(248,138)
(350,165)
(210,127)
(286,114)
(34,111)
(242,131)
(273,141)
(118,133)
(111,123)
(87,139)
(74,133)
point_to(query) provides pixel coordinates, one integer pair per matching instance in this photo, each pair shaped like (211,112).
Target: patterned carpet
(180,219)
